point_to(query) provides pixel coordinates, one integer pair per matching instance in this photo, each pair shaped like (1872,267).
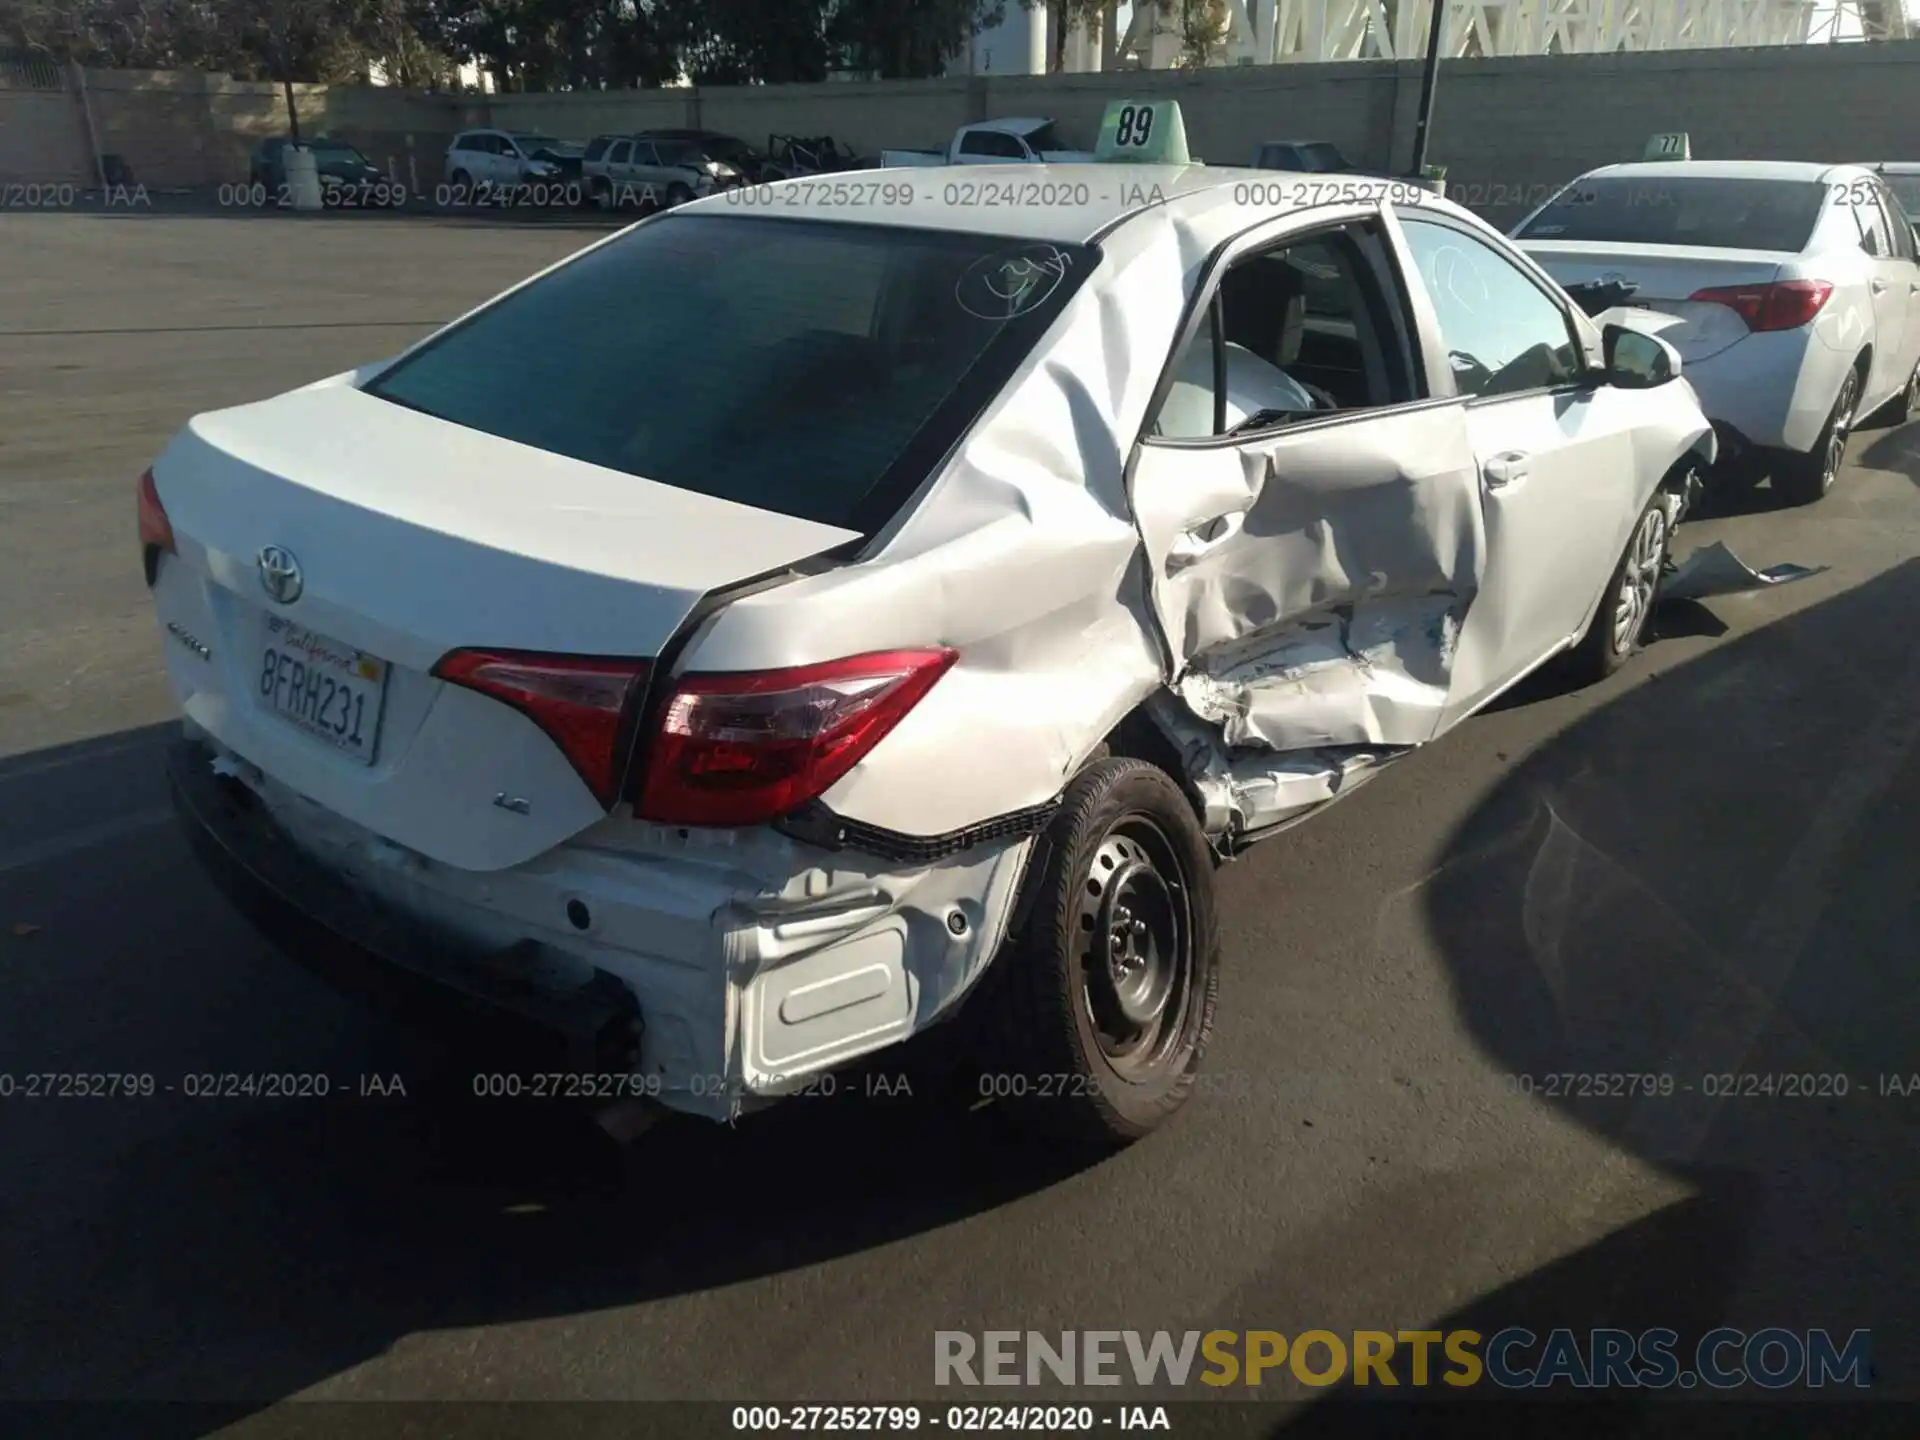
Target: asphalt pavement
(1706,866)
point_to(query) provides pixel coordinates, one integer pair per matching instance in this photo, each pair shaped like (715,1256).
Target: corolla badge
(280,574)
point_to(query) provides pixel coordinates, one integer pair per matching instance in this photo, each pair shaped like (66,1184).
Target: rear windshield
(815,369)
(1045,138)
(1906,189)
(1715,212)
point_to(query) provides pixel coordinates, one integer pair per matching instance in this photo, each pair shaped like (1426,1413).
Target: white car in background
(479,162)
(1793,291)
(760,633)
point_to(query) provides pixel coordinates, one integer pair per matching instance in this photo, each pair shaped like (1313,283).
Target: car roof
(1113,193)
(1895,167)
(1808,170)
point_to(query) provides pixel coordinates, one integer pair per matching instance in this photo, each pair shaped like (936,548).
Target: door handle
(1507,469)
(1197,540)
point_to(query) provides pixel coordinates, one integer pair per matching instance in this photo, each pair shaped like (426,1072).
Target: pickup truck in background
(995,142)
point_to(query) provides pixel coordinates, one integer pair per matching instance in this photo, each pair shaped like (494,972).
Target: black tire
(1803,479)
(678,195)
(1126,855)
(1628,601)
(461,184)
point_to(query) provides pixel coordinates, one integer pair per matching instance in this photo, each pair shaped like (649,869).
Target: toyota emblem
(280,574)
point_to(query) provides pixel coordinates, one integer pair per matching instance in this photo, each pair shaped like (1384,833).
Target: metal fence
(31,72)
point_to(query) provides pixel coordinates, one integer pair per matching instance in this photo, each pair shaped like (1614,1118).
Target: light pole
(1427,82)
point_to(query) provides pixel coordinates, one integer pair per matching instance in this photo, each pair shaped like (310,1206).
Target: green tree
(906,39)
(739,42)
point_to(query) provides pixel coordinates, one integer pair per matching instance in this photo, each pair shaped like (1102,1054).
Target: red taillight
(1783,305)
(583,702)
(156,531)
(744,748)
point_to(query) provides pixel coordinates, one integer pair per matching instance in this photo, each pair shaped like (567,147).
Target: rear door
(619,168)
(1311,556)
(1890,286)
(1906,276)
(1556,466)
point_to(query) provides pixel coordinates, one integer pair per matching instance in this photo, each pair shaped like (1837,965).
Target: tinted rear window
(1678,210)
(1906,189)
(814,369)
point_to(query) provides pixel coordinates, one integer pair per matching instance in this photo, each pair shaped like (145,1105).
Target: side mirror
(1637,360)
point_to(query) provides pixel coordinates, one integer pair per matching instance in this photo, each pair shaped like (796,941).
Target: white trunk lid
(1664,276)
(414,537)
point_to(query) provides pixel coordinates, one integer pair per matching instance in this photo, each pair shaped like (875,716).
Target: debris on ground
(1716,570)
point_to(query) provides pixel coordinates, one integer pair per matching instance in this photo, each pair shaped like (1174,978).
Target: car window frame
(1865,217)
(1401,332)
(620,152)
(1590,369)
(1899,228)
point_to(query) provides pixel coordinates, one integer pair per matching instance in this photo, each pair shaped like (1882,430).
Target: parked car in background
(791,155)
(1305,157)
(339,163)
(736,748)
(726,155)
(1794,290)
(623,172)
(994,142)
(480,163)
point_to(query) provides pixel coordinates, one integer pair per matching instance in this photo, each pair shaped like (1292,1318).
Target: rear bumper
(1773,391)
(317,918)
(756,960)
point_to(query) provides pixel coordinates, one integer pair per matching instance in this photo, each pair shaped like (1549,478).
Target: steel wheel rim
(1639,579)
(1842,428)
(1134,941)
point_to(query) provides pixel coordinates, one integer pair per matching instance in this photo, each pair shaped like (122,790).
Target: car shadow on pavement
(1598,927)
(237,1251)
(1897,450)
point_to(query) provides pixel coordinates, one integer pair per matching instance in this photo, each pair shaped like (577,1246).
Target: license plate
(325,687)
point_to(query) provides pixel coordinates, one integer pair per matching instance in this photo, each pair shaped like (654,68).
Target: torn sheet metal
(1328,613)
(1356,674)
(1716,570)
(1247,791)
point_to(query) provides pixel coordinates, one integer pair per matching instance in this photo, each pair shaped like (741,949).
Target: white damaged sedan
(772,632)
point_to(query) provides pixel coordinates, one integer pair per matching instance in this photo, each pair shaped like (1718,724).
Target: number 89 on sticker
(1149,132)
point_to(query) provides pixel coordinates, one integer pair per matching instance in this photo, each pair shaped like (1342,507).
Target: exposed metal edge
(816,824)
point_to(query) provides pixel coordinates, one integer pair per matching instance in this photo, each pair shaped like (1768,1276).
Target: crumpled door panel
(1311,587)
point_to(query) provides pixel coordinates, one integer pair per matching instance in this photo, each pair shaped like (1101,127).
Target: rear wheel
(1803,479)
(1105,995)
(1621,620)
(678,195)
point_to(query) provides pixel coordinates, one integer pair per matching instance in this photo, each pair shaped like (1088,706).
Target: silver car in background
(1792,291)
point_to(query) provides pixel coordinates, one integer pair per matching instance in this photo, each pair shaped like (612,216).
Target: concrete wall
(42,138)
(1507,129)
